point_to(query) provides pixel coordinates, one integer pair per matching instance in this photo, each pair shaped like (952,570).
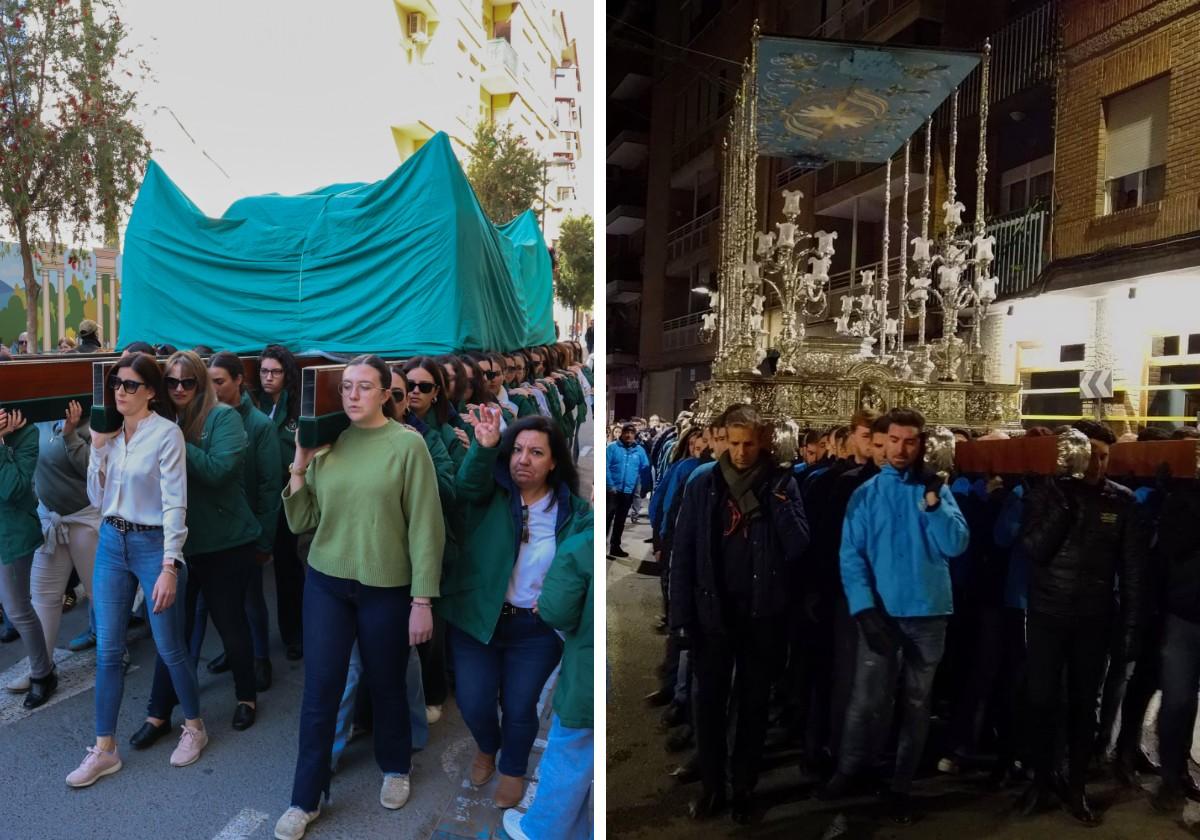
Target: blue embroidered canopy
(827,100)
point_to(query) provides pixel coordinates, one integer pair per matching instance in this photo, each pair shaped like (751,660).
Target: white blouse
(535,556)
(145,480)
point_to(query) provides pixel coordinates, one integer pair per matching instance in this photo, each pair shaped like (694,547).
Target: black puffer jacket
(1179,551)
(779,538)
(1081,539)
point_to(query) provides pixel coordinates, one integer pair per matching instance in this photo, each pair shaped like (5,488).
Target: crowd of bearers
(863,596)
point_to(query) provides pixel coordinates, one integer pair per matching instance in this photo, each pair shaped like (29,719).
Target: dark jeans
(289,584)
(337,613)
(1011,692)
(223,577)
(868,716)
(618,512)
(752,649)
(433,664)
(508,672)
(1077,646)
(1146,679)
(1180,682)
(834,683)
(256,615)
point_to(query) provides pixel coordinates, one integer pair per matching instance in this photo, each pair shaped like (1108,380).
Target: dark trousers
(1112,693)
(1180,682)
(223,578)
(973,703)
(843,661)
(289,584)
(1078,647)
(433,664)
(1011,691)
(752,649)
(1145,680)
(509,671)
(618,512)
(339,612)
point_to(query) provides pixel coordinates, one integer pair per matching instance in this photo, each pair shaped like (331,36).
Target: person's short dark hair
(564,471)
(718,422)
(743,416)
(5,356)
(959,430)
(880,425)
(1039,431)
(203,350)
(1095,431)
(812,437)
(139,347)
(165,350)
(628,427)
(1153,433)
(863,417)
(906,417)
(1185,433)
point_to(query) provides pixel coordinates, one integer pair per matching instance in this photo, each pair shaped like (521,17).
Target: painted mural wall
(76,284)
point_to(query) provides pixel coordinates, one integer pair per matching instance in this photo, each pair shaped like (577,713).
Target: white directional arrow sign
(1096,384)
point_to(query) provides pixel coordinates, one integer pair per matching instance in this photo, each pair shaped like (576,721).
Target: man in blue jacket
(627,464)
(900,531)
(739,540)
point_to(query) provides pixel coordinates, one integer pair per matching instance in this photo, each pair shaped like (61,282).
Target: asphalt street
(242,782)
(645,802)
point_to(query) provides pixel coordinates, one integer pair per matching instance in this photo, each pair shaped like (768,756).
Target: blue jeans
(561,810)
(350,699)
(868,718)
(122,562)
(1180,682)
(507,674)
(336,613)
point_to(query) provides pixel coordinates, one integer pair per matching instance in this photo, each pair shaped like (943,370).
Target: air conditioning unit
(416,28)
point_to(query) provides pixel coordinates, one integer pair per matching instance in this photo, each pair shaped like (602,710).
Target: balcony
(1023,56)
(625,219)
(689,244)
(627,150)
(697,150)
(681,333)
(500,73)
(875,20)
(623,290)
(1020,249)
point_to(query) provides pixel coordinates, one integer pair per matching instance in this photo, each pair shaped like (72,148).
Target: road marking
(76,674)
(243,825)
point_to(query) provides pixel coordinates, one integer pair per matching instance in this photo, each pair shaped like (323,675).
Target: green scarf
(743,483)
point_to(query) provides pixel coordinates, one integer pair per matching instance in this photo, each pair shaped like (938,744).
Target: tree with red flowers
(71,156)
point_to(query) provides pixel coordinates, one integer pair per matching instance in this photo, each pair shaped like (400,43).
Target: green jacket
(218,514)
(473,593)
(446,468)
(566,605)
(261,475)
(285,429)
(20,528)
(526,406)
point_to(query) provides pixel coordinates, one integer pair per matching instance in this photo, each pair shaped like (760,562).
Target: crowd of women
(439,544)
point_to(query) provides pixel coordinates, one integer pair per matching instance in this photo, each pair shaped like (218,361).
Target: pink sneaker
(191,743)
(95,764)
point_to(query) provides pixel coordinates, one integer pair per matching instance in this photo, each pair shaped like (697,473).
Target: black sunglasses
(491,374)
(398,395)
(423,387)
(129,385)
(188,383)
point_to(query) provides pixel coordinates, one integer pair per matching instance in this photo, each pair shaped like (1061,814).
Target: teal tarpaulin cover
(404,266)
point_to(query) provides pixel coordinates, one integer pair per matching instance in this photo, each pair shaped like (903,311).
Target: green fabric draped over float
(404,266)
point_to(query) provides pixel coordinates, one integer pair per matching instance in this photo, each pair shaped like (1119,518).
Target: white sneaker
(294,823)
(18,686)
(512,825)
(395,791)
(433,714)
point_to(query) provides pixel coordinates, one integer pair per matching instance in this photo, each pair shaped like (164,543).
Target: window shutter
(1136,125)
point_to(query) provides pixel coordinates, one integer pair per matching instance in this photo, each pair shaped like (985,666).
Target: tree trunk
(31,287)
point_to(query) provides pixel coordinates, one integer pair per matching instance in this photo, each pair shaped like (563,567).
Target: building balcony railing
(1023,56)
(857,18)
(1020,249)
(684,332)
(696,143)
(697,233)
(501,62)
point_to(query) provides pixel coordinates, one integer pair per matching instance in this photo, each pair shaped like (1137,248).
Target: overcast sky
(286,95)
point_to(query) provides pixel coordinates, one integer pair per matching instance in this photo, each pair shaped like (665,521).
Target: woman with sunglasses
(515,369)
(278,397)
(425,384)
(519,499)
(374,567)
(261,478)
(456,385)
(20,537)
(137,477)
(221,534)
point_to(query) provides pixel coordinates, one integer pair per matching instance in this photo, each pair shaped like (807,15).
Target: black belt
(509,609)
(125,527)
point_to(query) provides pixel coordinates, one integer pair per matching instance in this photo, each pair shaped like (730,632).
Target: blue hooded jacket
(669,491)
(894,547)
(626,464)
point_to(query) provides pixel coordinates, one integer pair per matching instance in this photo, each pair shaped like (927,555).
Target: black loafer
(243,717)
(148,734)
(219,664)
(9,634)
(40,689)
(295,652)
(262,674)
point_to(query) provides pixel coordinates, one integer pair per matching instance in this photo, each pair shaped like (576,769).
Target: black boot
(40,689)
(707,805)
(1075,801)
(1035,798)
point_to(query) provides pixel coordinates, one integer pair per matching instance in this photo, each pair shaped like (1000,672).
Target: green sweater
(260,471)
(373,499)
(566,604)
(218,513)
(20,528)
